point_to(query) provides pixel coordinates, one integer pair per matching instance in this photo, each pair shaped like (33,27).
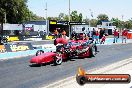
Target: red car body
(76,49)
(78,41)
(43,58)
(80,48)
(60,40)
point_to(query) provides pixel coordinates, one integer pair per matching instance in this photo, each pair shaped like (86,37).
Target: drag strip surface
(18,73)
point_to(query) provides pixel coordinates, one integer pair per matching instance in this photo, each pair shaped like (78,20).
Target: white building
(108,26)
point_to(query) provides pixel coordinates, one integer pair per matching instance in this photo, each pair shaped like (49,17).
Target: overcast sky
(113,8)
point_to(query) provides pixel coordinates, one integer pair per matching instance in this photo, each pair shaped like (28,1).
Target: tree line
(17,11)
(94,22)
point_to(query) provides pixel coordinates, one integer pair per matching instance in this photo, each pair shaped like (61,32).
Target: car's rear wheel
(39,52)
(58,59)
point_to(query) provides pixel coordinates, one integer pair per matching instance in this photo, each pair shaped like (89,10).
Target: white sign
(40,28)
(12,26)
(81,28)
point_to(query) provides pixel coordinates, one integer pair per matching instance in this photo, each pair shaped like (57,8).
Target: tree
(76,17)
(53,18)
(93,22)
(33,17)
(49,18)
(66,17)
(116,22)
(2,11)
(16,11)
(86,20)
(80,17)
(128,24)
(61,16)
(102,17)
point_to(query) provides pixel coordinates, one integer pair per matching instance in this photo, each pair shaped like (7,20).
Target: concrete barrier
(21,49)
(20,54)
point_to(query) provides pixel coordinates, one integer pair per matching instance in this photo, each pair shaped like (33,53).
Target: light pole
(46,10)
(69,10)
(91,15)
(122,21)
(5,17)
(122,17)
(69,17)
(46,18)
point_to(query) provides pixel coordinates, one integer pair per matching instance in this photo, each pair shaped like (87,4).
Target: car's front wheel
(58,59)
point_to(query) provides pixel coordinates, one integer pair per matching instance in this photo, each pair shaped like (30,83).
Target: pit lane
(17,73)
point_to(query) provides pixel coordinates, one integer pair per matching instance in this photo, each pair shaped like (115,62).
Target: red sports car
(65,50)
